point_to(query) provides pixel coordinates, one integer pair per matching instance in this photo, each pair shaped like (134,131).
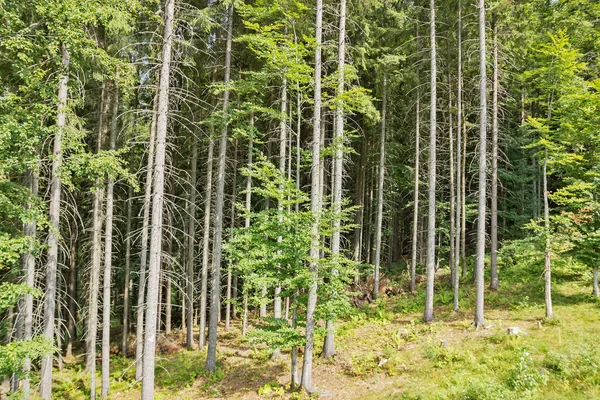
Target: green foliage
(10,293)
(525,378)
(13,354)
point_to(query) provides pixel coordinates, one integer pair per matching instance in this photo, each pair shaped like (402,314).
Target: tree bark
(415,227)
(206,240)
(459,168)
(480,255)
(315,207)
(92,326)
(139,338)
(380,178)
(211,357)
(228,304)
(428,316)
(108,257)
(494,200)
(547,262)
(338,167)
(30,230)
(127,280)
(54,229)
(157,206)
(248,206)
(189,282)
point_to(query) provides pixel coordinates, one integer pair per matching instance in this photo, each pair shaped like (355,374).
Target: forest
(247,199)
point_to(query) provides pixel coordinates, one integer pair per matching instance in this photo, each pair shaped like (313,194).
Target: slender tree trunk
(459,168)
(157,206)
(452,230)
(315,207)
(415,227)
(428,316)
(108,257)
(53,232)
(338,167)
(92,326)
(228,304)
(139,338)
(360,202)
(211,357)
(480,256)
(547,263)
(277,312)
(168,276)
(189,282)
(30,230)
(127,280)
(248,206)
(494,201)
(380,177)
(206,240)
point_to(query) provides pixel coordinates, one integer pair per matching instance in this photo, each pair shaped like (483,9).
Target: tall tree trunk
(206,240)
(139,338)
(494,201)
(415,227)
(277,312)
(428,316)
(92,326)
(168,276)
(459,168)
(157,206)
(248,206)
(30,230)
(127,281)
(360,202)
(547,263)
(108,256)
(338,167)
(381,175)
(53,231)
(211,357)
(228,304)
(452,230)
(315,207)
(480,255)
(189,282)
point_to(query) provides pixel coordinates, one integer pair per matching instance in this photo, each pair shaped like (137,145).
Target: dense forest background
(268,167)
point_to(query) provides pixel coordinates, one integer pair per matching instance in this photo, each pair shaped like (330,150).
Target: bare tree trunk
(53,232)
(30,230)
(452,231)
(248,206)
(189,282)
(547,263)
(206,241)
(211,357)
(139,338)
(381,175)
(108,257)
(127,281)
(315,207)
(338,167)
(228,304)
(480,255)
(459,168)
(360,202)
(92,326)
(168,276)
(415,228)
(494,201)
(157,206)
(428,316)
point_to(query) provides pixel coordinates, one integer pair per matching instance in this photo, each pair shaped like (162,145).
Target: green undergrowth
(386,347)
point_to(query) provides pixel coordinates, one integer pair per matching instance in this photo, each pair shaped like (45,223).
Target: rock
(515,331)
(382,362)
(403,332)
(443,343)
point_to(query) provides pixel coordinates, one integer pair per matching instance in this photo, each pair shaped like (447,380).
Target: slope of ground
(386,352)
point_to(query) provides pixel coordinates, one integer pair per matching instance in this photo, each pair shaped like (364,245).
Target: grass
(386,352)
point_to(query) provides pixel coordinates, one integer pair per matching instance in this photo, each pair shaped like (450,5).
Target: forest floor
(386,352)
